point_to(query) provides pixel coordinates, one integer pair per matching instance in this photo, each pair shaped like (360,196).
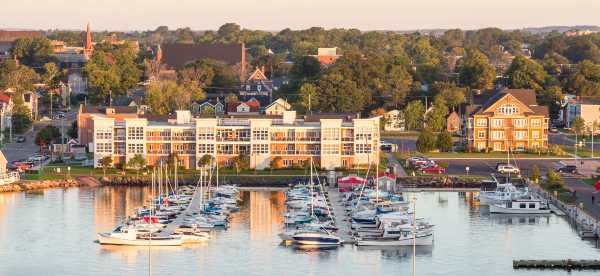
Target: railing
(185,151)
(158,138)
(158,152)
(347,139)
(347,152)
(280,138)
(296,152)
(183,138)
(233,139)
(308,139)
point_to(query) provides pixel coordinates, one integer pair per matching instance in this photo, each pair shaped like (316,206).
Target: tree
(444,141)
(452,95)
(275,163)
(137,162)
(338,94)
(586,80)
(526,73)
(308,97)
(165,96)
(73,131)
(305,68)
(106,162)
(209,74)
(229,32)
(241,162)
(535,173)
(435,119)
(204,161)
(19,77)
(21,118)
(413,115)
(33,52)
(578,125)
(476,71)
(231,98)
(426,141)
(47,135)
(551,97)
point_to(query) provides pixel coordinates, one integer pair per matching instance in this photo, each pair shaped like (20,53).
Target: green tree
(476,71)
(435,119)
(73,130)
(209,74)
(452,95)
(106,162)
(578,125)
(308,97)
(21,118)
(241,162)
(586,80)
(426,141)
(33,52)
(275,163)
(18,77)
(229,32)
(47,135)
(338,94)
(305,68)
(137,162)
(526,73)
(231,98)
(413,115)
(166,96)
(205,160)
(551,97)
(444,141)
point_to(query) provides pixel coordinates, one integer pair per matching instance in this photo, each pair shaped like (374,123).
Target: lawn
(498,155)
(581,152)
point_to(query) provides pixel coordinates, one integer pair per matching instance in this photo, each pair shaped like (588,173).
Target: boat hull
(107,239)
(408,241)
(502,210)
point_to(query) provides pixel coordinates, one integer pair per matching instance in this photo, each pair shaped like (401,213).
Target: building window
(104,134)
(330,149)
(520,122)
(535,145)
(497,122)
(363,134)
(331,134)
(497,146)
(481,134)
(205,148)
(103,147)
(135,148)
(508,109)
(206,133)
(260,148)
(480,145)
(363,148)
(481,122)
(498,134)
(288,163)
(535,134)
(521,135)
(136,133)
(261,133)
(536,123)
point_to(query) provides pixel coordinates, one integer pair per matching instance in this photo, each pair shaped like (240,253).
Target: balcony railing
(308,139)
(296,152)
(282,138)
(184,138)
(158,138)
(233,139)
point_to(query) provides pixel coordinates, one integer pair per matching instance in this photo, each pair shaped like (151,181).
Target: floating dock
(194,206)
(556,264)
(339,215)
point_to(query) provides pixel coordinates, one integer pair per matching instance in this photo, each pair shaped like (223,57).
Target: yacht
(130,236)
(405,238)
(503,192)
(528,205)
(312,237)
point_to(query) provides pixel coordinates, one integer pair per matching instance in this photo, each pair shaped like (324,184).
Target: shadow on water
(399,252)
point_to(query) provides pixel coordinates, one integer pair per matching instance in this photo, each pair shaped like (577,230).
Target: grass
(590,181)
(581,151)
(498,155)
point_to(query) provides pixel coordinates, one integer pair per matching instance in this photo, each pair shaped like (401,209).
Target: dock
(556,264)
(194,206)
(556,210)
(339,214)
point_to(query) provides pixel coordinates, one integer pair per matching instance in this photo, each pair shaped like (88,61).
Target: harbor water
(52,232)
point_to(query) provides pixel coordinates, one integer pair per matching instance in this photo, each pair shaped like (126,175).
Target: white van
(507,168)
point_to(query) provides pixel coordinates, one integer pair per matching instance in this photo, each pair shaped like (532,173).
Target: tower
(88,47)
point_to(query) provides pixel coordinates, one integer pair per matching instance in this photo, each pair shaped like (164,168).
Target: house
(506,119)
(257,86)
(394,120)
(251,107)
(453,122)
(586,108)
(327,56)
(175,56)
(6,107)
(386,181)
(277,107)
(31,100)
(212,106)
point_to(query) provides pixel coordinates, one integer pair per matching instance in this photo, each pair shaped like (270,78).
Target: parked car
(568,169)
(420,161)
(433,169)
(553,129)
(507,168)
(20,139)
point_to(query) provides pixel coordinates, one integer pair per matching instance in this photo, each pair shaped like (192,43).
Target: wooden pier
(194,206)
(556,264)
(339,215)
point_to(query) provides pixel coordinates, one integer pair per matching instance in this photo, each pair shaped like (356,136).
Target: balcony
(158,138)
(295,152)
(233,139)
(347,139)
(184,138)
(282,138)
(308,139)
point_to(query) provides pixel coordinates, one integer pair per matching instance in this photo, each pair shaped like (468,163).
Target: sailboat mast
(377,183)
(312,210)
(414,264)
(217,164)
(176,183)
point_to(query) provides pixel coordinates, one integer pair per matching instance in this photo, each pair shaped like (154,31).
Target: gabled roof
(177,55)
(526,96)
(4,98)
(257,75)
(254,106)
(281,102)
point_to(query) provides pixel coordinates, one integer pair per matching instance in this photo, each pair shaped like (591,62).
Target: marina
(468,239)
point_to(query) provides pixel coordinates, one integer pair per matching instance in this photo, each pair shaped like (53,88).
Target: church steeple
(88,47)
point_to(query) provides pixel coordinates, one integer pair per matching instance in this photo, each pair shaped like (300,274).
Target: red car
(433,169)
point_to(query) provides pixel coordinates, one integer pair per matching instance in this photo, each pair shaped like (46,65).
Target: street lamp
(467,168)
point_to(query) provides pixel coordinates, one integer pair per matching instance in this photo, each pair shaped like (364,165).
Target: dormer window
(508,109)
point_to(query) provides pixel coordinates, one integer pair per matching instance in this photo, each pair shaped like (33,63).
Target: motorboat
(503,192)
(129,236)
(406,238)
(311,237)
(528,205)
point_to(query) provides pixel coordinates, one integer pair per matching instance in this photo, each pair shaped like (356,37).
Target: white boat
(503,192)
(129,236)
(521,206)
(405,239)
(307,237)
(192,237)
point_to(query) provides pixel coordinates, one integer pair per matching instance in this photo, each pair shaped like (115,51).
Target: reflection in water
(53,231)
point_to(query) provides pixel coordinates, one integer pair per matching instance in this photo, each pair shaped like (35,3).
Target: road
(486,167)
(19,151)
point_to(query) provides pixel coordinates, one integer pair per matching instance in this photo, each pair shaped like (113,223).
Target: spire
(88,39)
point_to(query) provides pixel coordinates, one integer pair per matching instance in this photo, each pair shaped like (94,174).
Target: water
(51,232)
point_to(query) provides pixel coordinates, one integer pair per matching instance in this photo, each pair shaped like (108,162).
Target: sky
(274,15)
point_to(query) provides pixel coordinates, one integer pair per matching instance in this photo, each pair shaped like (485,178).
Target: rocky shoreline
(38,185)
